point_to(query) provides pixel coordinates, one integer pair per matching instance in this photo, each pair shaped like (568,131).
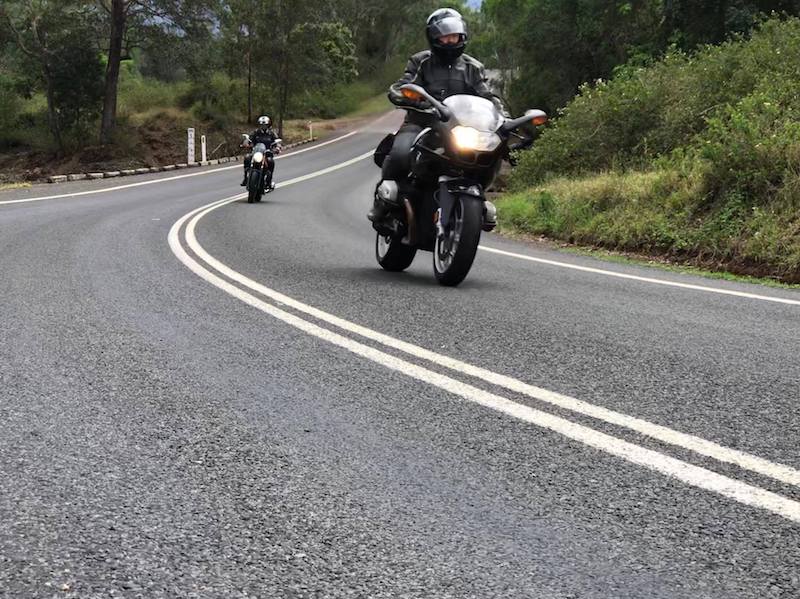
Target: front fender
(450,190)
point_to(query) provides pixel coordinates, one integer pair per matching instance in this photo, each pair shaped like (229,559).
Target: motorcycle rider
(264,135)
(443,70)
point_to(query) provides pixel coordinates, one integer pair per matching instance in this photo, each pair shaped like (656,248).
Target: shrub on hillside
(220,99)
(139,94)
(693,156)
(10,108)
(334,101)
(648,112)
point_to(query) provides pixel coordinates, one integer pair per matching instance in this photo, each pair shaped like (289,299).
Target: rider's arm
(249,144)
(411,75)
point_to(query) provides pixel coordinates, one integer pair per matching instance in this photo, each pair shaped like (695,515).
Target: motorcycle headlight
(468,138)
(258,156)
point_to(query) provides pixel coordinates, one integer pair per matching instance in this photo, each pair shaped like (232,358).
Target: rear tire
(453,255)
(393,255)
(253,185)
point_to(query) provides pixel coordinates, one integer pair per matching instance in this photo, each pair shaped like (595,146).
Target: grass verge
(656,213)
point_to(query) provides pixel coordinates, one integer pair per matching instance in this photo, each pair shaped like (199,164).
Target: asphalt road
(237,402)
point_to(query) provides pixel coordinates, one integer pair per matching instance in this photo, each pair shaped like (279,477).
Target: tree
(690,23)
(305,48)
(124,17)
(240,23)
(551,47)
(53,38)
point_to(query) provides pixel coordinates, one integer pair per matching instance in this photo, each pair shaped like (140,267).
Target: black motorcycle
(259,175)
(453,162)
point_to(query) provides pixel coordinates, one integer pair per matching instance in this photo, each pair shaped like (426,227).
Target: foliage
(549,48)
(53,54)
(649,112)
(77,78)
(10,108)
(138,93)
(695,155)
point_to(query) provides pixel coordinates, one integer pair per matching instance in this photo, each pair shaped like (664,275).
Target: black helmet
(446,21)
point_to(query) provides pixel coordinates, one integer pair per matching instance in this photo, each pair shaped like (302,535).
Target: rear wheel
(393,255)
(454,254)
(253,185)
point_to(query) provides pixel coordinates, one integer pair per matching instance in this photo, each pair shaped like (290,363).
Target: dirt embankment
(156,140)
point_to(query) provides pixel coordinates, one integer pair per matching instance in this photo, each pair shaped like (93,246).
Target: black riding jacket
(263,137)
(442,79)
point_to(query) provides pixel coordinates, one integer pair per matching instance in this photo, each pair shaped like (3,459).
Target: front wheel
(455,252)
(393,255)
(253,186)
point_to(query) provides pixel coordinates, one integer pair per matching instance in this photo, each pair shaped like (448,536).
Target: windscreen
(476,112)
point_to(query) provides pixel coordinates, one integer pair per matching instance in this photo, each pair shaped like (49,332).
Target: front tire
(393,255)
(453,255)
(253,185)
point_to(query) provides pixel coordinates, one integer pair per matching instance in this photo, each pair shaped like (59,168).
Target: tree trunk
(52,113)
(284,93)
(249,84)
(109,119)
(667,22)
(721,21)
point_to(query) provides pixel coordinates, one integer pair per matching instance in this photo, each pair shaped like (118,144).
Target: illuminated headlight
(468,138)
(258,156)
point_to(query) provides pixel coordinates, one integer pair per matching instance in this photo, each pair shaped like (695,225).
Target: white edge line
(776,471)
(165,179)
(620,275)
(671,467)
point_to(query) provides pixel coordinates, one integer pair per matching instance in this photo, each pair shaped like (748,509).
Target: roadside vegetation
(690,154)
(87,84)
(674,130)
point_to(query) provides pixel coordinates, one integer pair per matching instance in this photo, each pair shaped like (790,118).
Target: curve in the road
(166,179)
(688,473)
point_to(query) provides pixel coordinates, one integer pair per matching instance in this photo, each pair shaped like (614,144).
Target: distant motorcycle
(259,175)
(453,162)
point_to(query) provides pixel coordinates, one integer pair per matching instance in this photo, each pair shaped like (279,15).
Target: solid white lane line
(325,171)
(780,472)
(677,469)
(165,179)
(619,275)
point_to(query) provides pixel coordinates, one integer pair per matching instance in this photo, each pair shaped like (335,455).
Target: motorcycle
(454,161)
(259,176)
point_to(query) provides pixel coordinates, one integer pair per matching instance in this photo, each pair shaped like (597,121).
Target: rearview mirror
(538,117)
(534,117)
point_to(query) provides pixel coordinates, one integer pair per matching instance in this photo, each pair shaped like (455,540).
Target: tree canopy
(285,56)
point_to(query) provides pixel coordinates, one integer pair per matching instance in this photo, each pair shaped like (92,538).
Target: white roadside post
(190,142)
(310,131)
(203,149)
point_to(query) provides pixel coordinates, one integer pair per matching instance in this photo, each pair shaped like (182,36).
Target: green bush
(141,94)
(694,156)
(220,100)
(10,110)
(334,101)
(648,112)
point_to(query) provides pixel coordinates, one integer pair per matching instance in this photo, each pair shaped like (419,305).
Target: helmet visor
(448,26)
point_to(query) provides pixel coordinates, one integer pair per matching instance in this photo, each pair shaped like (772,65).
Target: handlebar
(415,92)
